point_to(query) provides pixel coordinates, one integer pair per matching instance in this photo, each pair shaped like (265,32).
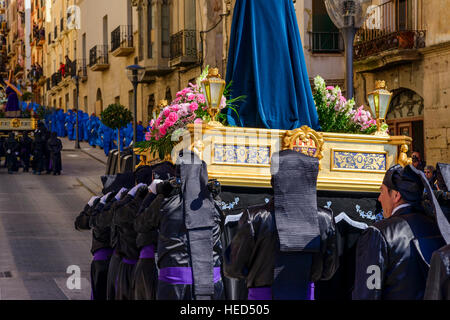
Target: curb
(93,157)
(86,187)
(87,153)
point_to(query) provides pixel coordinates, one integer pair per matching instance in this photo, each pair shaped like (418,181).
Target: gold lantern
(379,101)
(213,88)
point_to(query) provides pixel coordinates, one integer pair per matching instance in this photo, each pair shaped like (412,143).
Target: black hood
(295,200)
(116,182)
(198,207)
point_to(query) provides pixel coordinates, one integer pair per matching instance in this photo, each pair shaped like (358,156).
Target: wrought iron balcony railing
(82,68)
(122,36)
(98,57)
(326,42)
(56,79)
(390,26)
(184,45)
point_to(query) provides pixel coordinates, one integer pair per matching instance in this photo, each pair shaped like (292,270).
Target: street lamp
(135,74)
(348,16)
(213,88)
(76,78)
(379,101)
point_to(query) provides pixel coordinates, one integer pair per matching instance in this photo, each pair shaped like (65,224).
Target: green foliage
(116,116)
(42,112)
(27,96)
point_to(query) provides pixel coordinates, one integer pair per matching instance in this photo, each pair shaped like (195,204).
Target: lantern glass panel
(384,104)
(372,105)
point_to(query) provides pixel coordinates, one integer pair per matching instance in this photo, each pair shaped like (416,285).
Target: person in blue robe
(47,120)
(61,119)
(140,132)
(266,65)
(128,134)
(108,139)
(70,125)
(99,140)
(92,130)
(54,119)
(85,127)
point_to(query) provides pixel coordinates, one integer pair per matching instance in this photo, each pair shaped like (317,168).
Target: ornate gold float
(241,156)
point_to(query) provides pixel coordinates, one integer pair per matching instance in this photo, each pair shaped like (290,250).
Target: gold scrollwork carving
(15,123)
(305,140)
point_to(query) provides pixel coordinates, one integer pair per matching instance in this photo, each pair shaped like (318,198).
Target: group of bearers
(42,153)
(158,234)
(91,129)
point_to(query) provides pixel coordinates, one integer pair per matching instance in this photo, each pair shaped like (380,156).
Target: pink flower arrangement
(363,118)
(189,106)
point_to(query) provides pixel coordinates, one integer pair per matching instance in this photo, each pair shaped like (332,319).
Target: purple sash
(311,290)
(103,254)
(129,261)
(182,275)
(147,252)
(263,293)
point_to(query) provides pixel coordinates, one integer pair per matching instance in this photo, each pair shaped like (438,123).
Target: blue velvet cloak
(266,64)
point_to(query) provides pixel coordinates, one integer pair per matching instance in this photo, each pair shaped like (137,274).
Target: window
(325,37)
(149,29)
(130,99)
(141,35)
(168,95)
(67,101)
(117,100)
(85,103)
(165,29)
(151,107)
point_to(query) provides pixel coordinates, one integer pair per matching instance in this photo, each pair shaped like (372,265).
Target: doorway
(405,118)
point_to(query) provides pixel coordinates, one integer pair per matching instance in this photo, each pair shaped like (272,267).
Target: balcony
(56,79)
(390,35)
(82,70)
(122,41)
(183,48)
(98,58)
(326,42)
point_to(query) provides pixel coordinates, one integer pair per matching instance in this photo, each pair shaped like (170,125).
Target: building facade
(407,44)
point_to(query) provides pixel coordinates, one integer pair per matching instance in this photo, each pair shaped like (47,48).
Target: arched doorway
(405,117)
(99,102)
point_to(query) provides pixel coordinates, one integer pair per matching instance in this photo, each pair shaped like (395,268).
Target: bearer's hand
(91,202)
(152,187)
(104,198)
(136,188)
(121,193)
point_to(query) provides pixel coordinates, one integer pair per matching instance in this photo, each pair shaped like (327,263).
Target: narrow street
(38,241)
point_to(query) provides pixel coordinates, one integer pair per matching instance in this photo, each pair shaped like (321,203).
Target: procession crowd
(42,153)
(161,234)
(91,129)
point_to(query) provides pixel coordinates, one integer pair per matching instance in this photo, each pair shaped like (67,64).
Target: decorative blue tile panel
(360,161)
(241,154)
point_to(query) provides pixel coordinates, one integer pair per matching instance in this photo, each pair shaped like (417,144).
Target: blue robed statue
(266,64)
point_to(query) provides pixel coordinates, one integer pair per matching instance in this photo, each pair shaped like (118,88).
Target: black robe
(167,216)
(438,283)
(54,146)
(39,152)
(104,221)
(26,146)
(123,219)
(145,273)
(12,151)
(253,251)
(393,256)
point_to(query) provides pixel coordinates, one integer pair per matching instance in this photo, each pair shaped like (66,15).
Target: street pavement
(38,241)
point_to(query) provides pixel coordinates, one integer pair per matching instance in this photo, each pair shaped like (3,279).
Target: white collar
(400,207)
